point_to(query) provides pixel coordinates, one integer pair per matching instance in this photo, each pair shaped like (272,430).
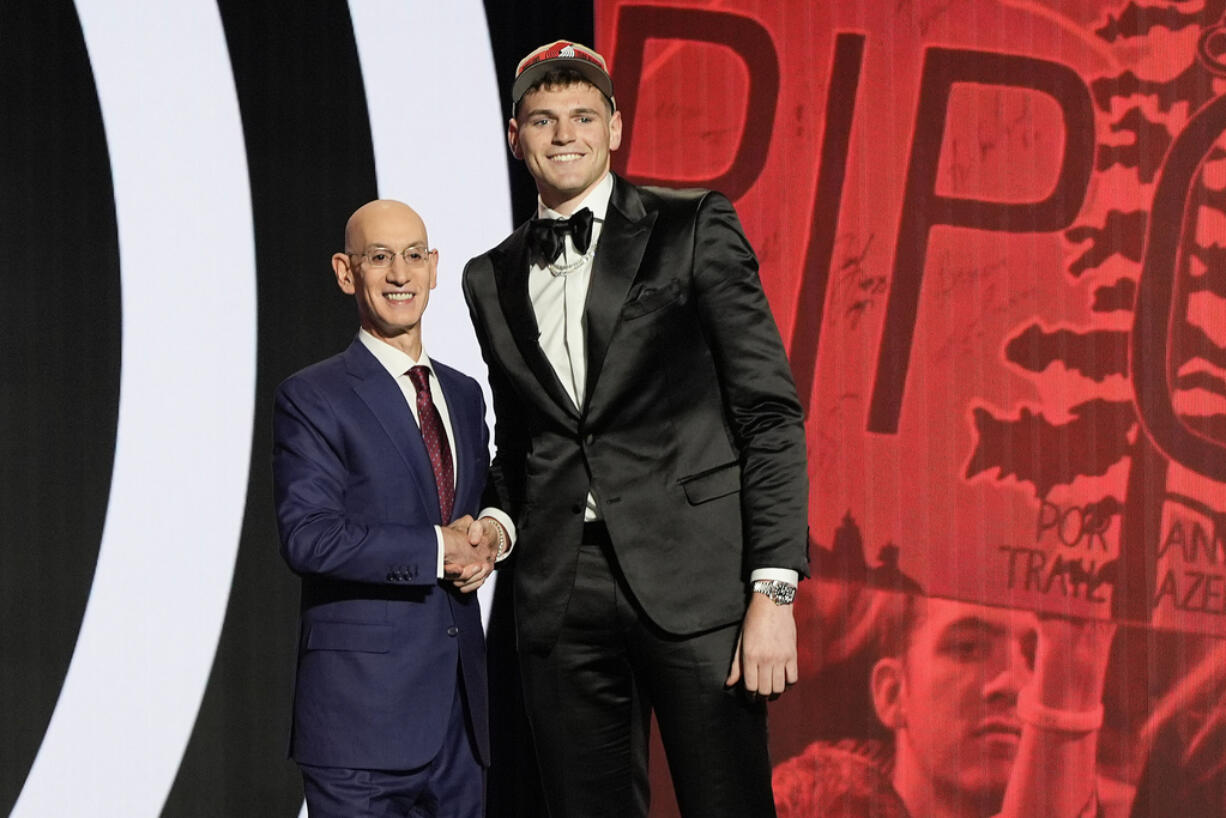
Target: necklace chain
(570,266)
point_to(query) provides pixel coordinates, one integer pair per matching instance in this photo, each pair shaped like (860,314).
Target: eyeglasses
(383,256)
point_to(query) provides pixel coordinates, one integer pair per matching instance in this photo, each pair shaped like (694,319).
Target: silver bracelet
(1061,721)
(502,538)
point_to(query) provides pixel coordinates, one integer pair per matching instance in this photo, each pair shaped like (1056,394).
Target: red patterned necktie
(435,437)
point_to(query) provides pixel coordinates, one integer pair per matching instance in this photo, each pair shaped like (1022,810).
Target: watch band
(777,591)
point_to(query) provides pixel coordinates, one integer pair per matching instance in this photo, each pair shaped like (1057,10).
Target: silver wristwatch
(777,591)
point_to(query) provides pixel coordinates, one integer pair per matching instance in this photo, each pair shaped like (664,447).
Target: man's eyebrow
(553,113)
(974,623)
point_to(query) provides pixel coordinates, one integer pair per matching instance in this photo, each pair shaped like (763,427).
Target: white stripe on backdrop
(437,122)
(183,443)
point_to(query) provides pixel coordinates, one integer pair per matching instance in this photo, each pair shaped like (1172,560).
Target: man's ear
(886,685)
(513,138)
(344,273)
(615,131)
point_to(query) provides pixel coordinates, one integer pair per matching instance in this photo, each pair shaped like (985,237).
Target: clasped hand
(469,549)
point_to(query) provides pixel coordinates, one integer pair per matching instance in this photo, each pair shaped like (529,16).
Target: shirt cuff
(502,518)
(438,533)
(781,574)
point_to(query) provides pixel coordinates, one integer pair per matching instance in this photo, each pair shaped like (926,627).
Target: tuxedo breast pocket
(647,298)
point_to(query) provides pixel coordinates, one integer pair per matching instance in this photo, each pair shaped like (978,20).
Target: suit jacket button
(576,508)
(391,577)
(453,630)
(588,440)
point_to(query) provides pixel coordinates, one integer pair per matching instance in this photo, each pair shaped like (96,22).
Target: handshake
(470,548)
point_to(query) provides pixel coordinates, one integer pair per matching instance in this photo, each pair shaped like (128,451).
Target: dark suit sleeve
(761,406)
(319,534)
(504,488)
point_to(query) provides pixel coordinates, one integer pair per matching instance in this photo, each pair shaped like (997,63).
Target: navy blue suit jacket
(382,643)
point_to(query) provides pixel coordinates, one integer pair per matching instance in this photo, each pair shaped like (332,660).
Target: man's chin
(987,783)
(1001,745)
(569,183)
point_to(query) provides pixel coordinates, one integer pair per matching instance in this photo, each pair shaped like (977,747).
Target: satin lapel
(378,390)
(623,238)
(511,274)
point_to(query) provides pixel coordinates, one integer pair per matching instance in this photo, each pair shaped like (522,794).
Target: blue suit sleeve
(329,516)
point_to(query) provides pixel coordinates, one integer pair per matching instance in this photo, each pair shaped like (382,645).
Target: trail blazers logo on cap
(561,54)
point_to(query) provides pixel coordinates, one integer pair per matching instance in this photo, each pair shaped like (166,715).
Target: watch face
(781,593)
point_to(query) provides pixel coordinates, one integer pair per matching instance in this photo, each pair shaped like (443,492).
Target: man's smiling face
(391,299)
(565,135)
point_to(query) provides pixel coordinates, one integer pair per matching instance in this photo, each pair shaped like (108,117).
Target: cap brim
(533,73)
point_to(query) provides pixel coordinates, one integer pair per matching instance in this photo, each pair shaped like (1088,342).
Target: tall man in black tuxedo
(651,453)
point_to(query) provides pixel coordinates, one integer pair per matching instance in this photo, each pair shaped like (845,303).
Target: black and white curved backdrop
(173,179)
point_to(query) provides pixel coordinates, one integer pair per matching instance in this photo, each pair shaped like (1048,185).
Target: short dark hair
(560,78)
(897,616)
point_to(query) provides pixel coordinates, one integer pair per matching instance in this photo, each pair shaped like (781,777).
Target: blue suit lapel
(378,390)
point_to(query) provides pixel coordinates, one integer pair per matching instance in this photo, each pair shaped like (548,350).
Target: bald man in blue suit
(390,704)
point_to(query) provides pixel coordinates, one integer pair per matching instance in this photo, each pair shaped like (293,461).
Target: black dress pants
(591,697)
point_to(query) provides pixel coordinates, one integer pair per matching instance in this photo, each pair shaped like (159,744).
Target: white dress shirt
(558,299)
(397,364)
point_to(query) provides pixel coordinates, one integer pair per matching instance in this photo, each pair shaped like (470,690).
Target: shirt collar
(393,360)
(596,201)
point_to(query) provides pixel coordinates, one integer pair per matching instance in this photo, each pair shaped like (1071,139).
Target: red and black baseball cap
(561,54)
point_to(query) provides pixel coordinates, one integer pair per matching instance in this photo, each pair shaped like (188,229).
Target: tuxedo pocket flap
(647,299)
(708,485)
(359,636)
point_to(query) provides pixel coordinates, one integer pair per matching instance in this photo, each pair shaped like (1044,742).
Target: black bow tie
(547,237)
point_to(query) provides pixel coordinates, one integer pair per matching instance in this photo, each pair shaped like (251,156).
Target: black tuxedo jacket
(691,437)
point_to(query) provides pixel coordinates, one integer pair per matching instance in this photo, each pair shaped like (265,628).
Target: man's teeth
(399,296)
(566,157)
